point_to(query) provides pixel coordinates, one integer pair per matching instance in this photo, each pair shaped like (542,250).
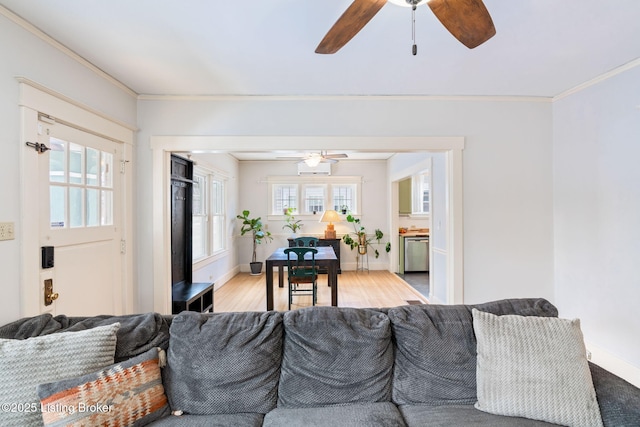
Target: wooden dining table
(325,257)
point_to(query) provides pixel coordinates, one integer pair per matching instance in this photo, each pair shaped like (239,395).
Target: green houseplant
(359,239)
(255,227)
(292,223)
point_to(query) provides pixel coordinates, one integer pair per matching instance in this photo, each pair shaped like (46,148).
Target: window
(313,195)
(284,196)
(209,217)
(314,198)
(344,197)
(200,230)
(80,186)
(218,213)
(421,193)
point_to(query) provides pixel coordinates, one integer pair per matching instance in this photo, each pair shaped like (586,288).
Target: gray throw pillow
(335,356)
(536,368)
(223,363)
(26,363)
(435,358)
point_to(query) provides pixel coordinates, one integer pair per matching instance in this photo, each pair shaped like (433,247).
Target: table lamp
(330,216)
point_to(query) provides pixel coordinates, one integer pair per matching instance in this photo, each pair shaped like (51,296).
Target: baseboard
(226,277)
(351,266)
(613,364)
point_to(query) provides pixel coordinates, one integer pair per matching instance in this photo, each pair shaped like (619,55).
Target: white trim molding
(162,146)
(613,364)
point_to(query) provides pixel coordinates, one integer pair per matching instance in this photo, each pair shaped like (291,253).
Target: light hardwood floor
(355,289)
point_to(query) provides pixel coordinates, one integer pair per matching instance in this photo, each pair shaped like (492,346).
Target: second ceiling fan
(467,20)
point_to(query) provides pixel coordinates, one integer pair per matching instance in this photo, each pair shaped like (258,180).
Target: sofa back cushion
(435,359)
(335,356)
(224,363)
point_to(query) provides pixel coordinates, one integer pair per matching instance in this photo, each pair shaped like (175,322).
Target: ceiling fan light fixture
(313,161)
(408,3)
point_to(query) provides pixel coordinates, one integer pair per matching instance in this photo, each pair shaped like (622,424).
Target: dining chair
(302,272)
(308,242)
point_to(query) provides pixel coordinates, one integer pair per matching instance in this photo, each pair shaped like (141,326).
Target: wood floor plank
(355,289)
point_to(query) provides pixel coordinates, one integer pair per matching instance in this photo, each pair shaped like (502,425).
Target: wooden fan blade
(467,20)
(349,24)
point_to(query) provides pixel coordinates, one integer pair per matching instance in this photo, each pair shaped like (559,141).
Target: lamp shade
(330,216)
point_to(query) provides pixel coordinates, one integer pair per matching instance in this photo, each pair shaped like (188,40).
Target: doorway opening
(449,263)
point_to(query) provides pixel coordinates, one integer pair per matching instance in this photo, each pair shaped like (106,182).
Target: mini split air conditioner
(321,169)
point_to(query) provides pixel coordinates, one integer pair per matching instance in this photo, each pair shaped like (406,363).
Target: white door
(80,189)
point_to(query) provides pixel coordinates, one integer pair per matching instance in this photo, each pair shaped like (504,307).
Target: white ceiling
(223,47)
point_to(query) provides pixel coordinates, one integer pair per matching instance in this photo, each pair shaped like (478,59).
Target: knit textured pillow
(26,363)
(536,368)
(224,363)
(125,394)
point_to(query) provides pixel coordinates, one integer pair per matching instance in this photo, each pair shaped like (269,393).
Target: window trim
(210,176)
(303,181)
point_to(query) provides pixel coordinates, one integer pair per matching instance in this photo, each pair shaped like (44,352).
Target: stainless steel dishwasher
(416,254)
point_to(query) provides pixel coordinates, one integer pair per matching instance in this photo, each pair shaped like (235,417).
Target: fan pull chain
(414,49)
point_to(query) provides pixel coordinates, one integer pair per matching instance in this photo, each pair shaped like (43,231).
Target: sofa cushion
(215,420)
(138,333)
(224,363)
(435,359)
(460,415)
(335,356)
(26,363)
(381,414)
(536,368)
(127,393)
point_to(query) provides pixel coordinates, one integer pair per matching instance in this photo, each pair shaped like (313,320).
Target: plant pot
(256,268)
(362,244)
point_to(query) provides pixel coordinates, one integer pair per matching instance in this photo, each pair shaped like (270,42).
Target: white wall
(596,210)
(507,170)
(26,55)
(254,196)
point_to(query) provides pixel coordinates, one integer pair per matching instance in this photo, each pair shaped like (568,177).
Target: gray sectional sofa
(324,366)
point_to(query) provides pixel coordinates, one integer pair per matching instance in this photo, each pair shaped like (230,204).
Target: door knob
(49,295)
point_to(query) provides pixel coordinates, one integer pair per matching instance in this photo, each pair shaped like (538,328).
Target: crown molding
(606,76)
(286,98)
(65,50)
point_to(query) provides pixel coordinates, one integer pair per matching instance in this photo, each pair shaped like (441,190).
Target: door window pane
(107,208)
(93,165)
(57,161)
(106,175)
(76,163)
(93,207)
(76,207)
(57,206)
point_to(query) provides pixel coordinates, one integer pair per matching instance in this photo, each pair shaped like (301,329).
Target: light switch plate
(7,231)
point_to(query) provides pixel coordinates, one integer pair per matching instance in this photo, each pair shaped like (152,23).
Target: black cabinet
(192,297)
(334,243)
(185,295)
(181,219)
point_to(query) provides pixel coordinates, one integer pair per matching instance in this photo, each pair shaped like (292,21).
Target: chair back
(301,262)
(308,242)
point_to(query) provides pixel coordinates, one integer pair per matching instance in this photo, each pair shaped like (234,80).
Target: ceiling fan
(314,159)
(467,20)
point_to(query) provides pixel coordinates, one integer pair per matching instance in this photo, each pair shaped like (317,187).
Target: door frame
(162,146)
(36,99)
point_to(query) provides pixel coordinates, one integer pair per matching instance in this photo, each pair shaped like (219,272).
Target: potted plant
(359,239)
(292,224)
(344,209)
(254,225)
